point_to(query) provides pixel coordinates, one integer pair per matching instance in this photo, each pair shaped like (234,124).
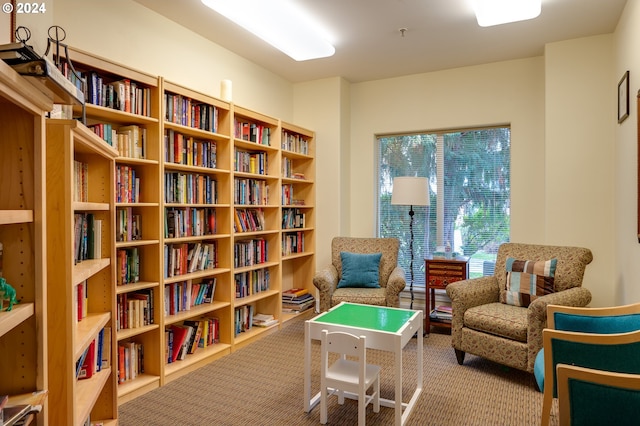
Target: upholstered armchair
(389,276)
(487,320)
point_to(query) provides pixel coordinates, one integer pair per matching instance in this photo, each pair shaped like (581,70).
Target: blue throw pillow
(360,270)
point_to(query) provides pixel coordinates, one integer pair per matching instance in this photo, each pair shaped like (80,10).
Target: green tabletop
(367,316)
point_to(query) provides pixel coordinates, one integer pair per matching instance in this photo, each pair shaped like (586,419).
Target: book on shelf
(106,348)
(264,320)
(293,293)
(193,342)
(88,364)
(180,335)
(441,313)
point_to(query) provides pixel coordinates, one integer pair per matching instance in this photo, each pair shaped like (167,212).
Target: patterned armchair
(391,276)
(484,324)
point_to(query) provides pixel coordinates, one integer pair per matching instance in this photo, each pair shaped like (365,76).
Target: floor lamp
(410,191)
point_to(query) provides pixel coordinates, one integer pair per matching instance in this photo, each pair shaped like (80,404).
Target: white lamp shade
(410,191)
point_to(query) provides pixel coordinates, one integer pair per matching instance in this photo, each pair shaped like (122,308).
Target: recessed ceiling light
(278,22)
(496,12)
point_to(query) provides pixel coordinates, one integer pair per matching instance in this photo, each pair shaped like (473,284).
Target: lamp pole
(411,213)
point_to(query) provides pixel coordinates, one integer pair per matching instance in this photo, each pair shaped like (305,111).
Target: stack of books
(264,320)
(441,313)
(297,300)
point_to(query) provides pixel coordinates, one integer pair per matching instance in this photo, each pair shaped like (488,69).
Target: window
(469,180)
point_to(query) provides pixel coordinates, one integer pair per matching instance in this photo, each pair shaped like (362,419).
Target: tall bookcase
(80,182)
(23,340)
(133,128)
(197,226)
(298,207)
(256,243)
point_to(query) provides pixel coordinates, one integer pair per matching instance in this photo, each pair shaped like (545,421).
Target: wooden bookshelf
(298,208)
(134,130)
(196,222)
(72,401)
(23,220)
(256,188)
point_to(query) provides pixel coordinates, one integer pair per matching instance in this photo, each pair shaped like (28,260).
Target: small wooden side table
(438,274)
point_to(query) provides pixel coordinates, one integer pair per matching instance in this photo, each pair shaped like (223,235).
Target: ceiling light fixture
(496,12)
(278,22)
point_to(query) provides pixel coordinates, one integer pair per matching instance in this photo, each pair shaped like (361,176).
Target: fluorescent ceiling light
(496,12)
(278,22)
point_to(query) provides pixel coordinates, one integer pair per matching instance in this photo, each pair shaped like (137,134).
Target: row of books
(250,252)
(250,162)
(189,221)
(252,132)
(130,361)
(134,310)
(252,282)
(294,142)
(96,356)
(87,237)
(128,224)
(243,319)
(248,220)
(293,218)
(181,149)
(184,258)
(130,141)
(123,95)
(127,184)
(250,192)
(182,296)
(80,181)
(189,188)
(128,265)
(296,300)
(184,339)
(187,112)
(292,242)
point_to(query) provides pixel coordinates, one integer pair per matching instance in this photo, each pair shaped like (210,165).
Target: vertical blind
(469,192)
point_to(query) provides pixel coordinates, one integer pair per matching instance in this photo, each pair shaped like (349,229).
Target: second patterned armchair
(362,270)
(501,317)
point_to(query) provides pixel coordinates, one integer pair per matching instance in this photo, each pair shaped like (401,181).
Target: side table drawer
(440,275)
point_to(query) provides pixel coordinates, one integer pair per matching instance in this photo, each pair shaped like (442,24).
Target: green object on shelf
(8,293)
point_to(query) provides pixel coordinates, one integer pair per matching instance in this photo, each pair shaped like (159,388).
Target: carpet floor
(262,384)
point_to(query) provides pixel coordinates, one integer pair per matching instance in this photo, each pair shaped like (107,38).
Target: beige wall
(323,105)
(625,278)
(128,33)
(447,100)
(580,116)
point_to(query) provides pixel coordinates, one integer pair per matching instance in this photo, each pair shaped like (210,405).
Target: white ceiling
(440,34)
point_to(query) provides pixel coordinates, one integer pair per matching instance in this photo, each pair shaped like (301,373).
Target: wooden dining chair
(346,374)
(588,396)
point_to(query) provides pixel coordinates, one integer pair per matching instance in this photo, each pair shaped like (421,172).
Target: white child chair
(347,375)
